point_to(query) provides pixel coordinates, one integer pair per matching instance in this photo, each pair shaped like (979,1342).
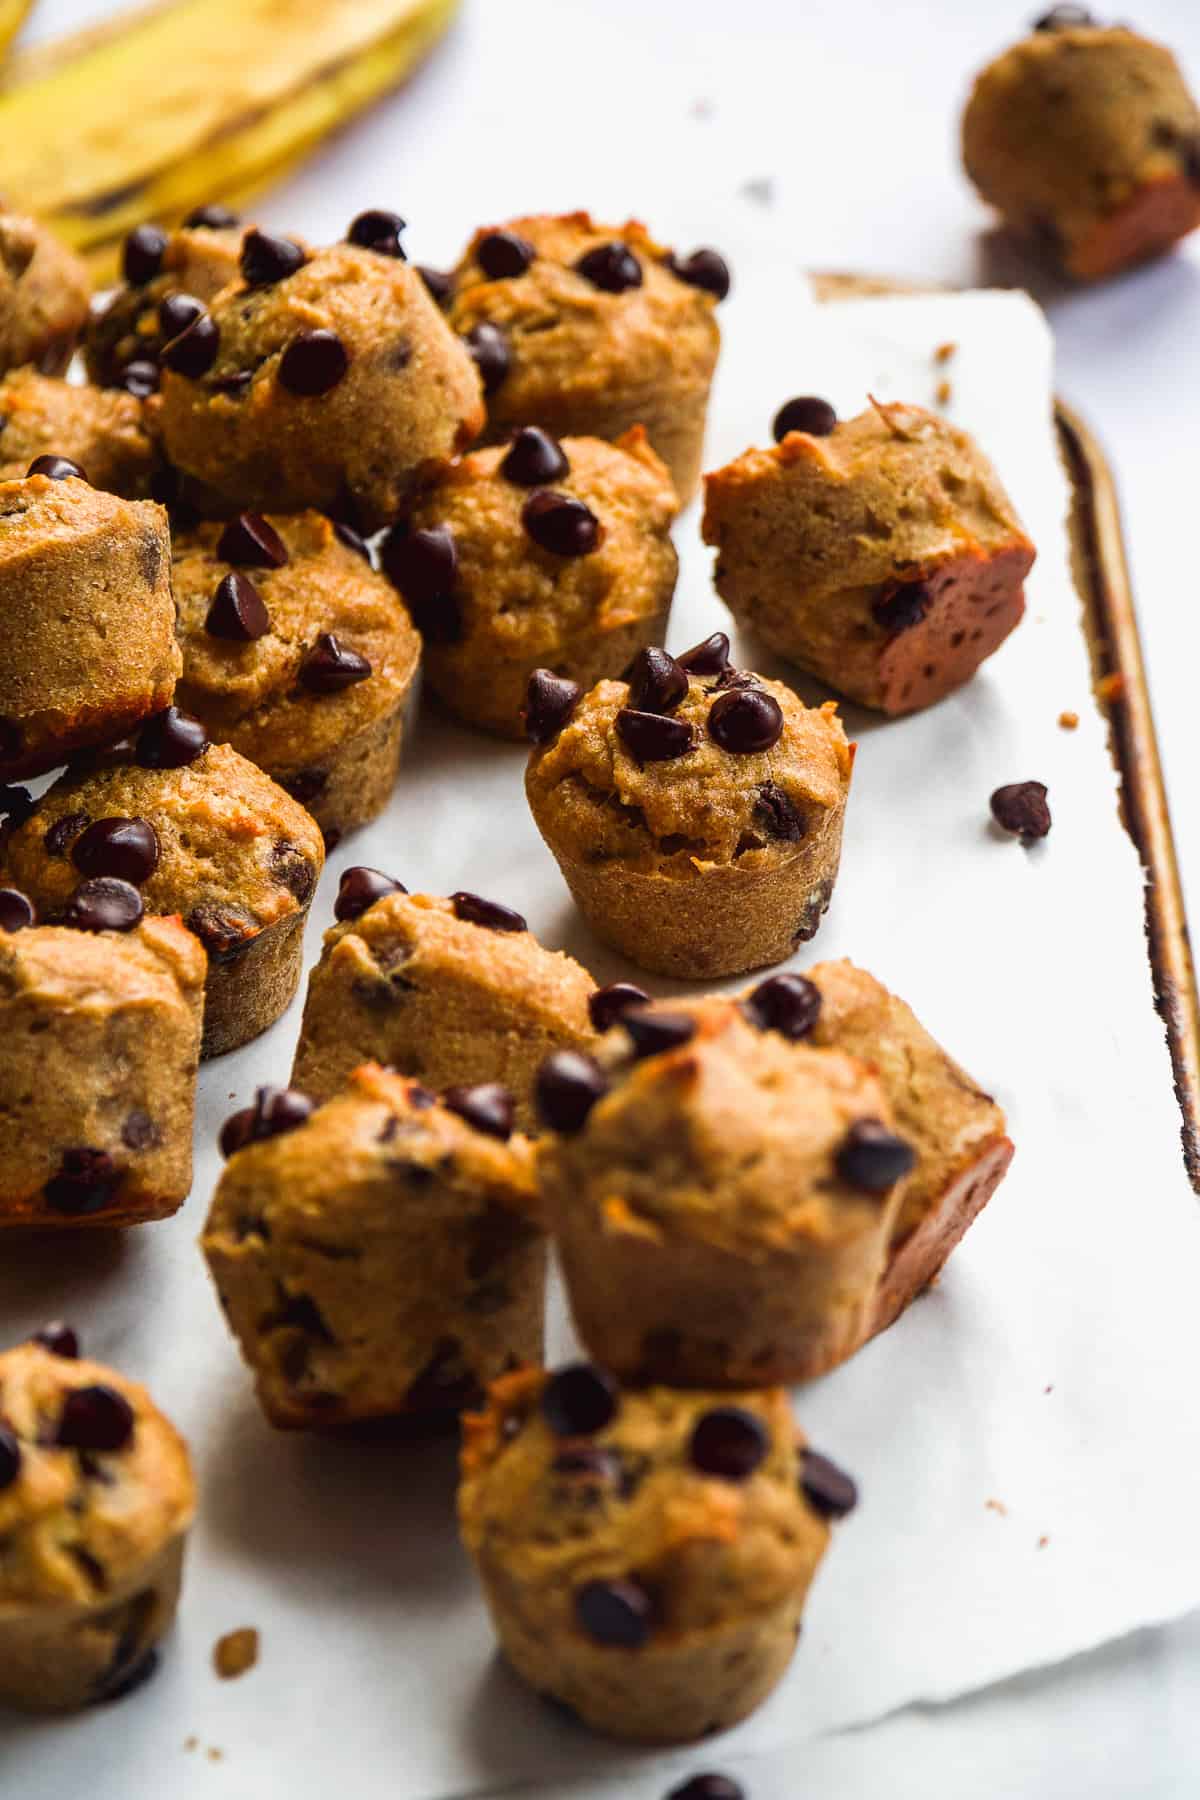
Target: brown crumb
(943,393)
(1111,687)
(1068,720)
(944,352)
(235,1653)
(1050,1388)
(997,1506)
(213,1753)
(1042,1542)
(191,1743)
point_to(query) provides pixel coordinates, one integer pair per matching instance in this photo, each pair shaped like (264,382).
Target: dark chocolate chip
(1022,808)
(306,784)
(94,1418)
(211,218)
(86,1181)
(139,1132)
(503,255)
(176,312)
(378,230)
(488,913)
(58,1338)
(708,1787)
(62,833)
(652,737)
(10,1457)
(423,565)
(57,468)
(745,721)
(1064,18)
(657,683)
(488,346)
(729,1442)
(550,701)
(568,1085)
(128,1678)
(275,1111)
(534,458)
(655,1032)
(237,610)
(103,904)
(705,269)
(194,351)
(439,283)
(900,608)
(777,814)
(223,930)
(360,888)
(126,848)
(139,378)
(710,657)
(265,259)
(12,738)
(560,524)
(611,267)
(142,254)
(828,1489)
(331,666)
(617,1613)
(16,912)
(170,740)
(579,1400)
(488,1106)
(292,869)
(789,1004)
(807,413)
(873,1158)
(252,541)
(609,1003)
(313,363)
(346,534)
(16,805)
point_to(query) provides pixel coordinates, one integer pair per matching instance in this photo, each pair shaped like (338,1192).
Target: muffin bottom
(248,988)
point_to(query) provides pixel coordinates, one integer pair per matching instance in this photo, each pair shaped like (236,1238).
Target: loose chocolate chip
(142,254)
(776,813)
(313,363)
(64,831)
(94,1418)
(550,701)
(58,1338)
(611,267)
(488,346)
(568,1085)
(503,255)
(170,740)
(729,1442)
(139,1132)
(828,1489)
(560,524)
(361,887)
(900,608)
(655,1032)
(657,683)
(10,1457)
(253,541)
(439,283)
(104,904)
(85,1182)
(711,657)
(579,1400)
(608,1004)
(176,312)
(1022,808)
(705,269)
(423,565)
(708,1787)
(194,351)
(57,468)
(534,458)
(805,413)
(651,737)
(126,848)
(377,230)
(617,1613)
(265,259)
(15,910)
(745,721)
(275,1111)
(873,1158)
(788,1004)
(488,913)
(237,610)
(346,534)
(211,218)
(488,1106)
(139,378)
(1063,18)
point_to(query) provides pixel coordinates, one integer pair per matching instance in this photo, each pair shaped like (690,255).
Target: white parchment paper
(1026,1438)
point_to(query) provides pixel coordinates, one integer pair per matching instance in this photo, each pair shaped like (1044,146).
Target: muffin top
(41,415)
(44,293)
(197,260)
(57,968)
(39,512)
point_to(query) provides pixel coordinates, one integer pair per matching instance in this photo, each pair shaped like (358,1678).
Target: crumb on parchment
(944,352)
(235,1653)
(1068,720)
(996,1506)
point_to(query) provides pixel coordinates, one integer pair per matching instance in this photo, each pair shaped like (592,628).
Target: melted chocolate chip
(711,657)
(253,541)
(534,458)
(360,888)
(1022,808)
(64,831)
(331,666)
(378,230)
(611,267)
(194,351)
(775,812)
(745,721)
(142,254)
(313,363)
(651,737)
(568,1085)
(139,1132)
(657,683)
(503,255)
(223,930)
(170,740)
(789,1004)
(807,413)
(16,912)
(292,869)
(488,913)
(237,610)
(550,702)
(275,1111)
(900,608)
(579,1400)
(94,1418)
(12,738)
(828,1489)
(488,1106)
(103,904)
(488,347)
(139,378)
(265,259)
(10,1457)
(126,848)
(86,1181)
(176,312)
(211,218)
(560,524)
(873,1158)
(608,1004)
(58,1338)
(708,1787)
(439,283)
(705,269)
(653,1033)
(617,1613)
(56,468)
(729,1442)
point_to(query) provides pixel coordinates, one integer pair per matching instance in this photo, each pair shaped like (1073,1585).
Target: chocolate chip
(275,1111)
(657,683)
(708,1787)
(1063,18)
(439,283)
(253,541)
(194,351)
(56,468)
(828,1489)
(63,831)
(265,259)
(313,363)
(579,1400)
(776,813)
(488,346)
(560,524)
(346,534)
(745,721)
(16,805)
(126,848)
(58,1338)
(139,1132)
(292,869)
(1022,809)
(104,904)
(423,565)
(651,737)
(12,737)
(550,702)
(94,1418)
(10,1457)
(211,218)
(611,267)
(223,930)
(711,657)
(176,312)
(360,888)
(129,1678)
(900,608)
(488,913)
(142,254)
(873,1158)
(16,912)
(377,230)
(488,1106)
(139,378)
(705,269)
(534,458)
(170,740)
(331,666)
(86,1181)
(608,1004)
(567,1087)
(807,413)
(729,1442)
(237,610)
(656,1032)
(503,255)
(618,1613)
(789,1004)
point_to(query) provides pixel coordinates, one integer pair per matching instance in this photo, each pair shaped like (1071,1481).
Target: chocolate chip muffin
(169,276)
(587,329)
(882,555)
(536,555)
(645,1554)
(87,624)
(454,992)
(44,294)
(104,434)
(101,1026)
(327,380)
(723,1198)
(96,1499)
(299,655)
(1086,140)
(380,1256)
(695,810)
(194,829)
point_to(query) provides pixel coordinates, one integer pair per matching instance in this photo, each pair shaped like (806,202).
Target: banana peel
(12,17)
(173,104)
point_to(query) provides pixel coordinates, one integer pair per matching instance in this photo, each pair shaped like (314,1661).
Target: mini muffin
(96,1499)
(723,1199)
(645,1555)
(695,810)
(101,1027)
(327,380)
(453,992)
(1086,140)
(380,1256)
(536,555)
(211,838)
(87,624)
(883,555)
(127,331)
(102,433)
(44,294)
(299,655)
(587,329)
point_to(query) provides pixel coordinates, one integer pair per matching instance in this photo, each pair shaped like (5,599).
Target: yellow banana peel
(12,17)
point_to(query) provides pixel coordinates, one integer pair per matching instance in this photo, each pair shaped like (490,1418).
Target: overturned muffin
(169,276)
(96,1498)
(645,1554)
(44,294)
(379,1256)
(537,555)
(299,655)
(587,329)
(104,434)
